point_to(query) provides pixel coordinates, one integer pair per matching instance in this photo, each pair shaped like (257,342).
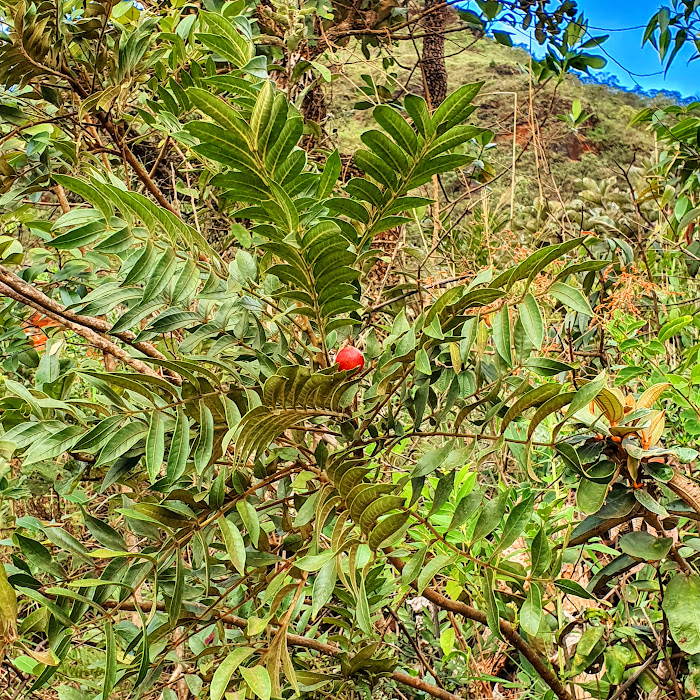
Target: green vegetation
(316,387)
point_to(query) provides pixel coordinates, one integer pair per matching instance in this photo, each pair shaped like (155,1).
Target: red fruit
(350,358)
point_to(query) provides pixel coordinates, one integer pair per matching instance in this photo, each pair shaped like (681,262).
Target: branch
(31,296)
(111,129)
(28,125)
(299,641)
(606,525)
(91,336)
(508,631)
(133,161)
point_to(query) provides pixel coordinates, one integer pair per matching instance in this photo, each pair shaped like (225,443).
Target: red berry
(350,358)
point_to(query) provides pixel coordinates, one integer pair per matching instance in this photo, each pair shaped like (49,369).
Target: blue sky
(625,47)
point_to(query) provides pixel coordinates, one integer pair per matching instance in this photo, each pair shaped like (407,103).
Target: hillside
(598,150)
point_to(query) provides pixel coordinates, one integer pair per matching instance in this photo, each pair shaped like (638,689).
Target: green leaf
(122,441)
(423,362)
(174,604)
(417,109)
(307,511)
(98,435)
(589,648)
(466,508)
(383,147)
(502,336)
(80,236)
(38,556)
(643,545)
(671,328)
(88,192)
(262,111)
(376,168)
(226,669)
(110,673)
(364,620)
(443,491)
(540,553)
(386,530)
(531,613)
(573,588)
(447,640)
(224,115)
(590,496)
(456,107)
(531,318)
(159,279)
(489,517)
(397,127)
(556,403)
(430,461)
(535,263)
(59,652)
(682,607)
(179,448)
(534,397)
(650,503)
(586,394)
(155,446)
(571,297)
(432,568)
(492,615)
(141,267)
(205,441)
(413,566)
(234,544)
(54,609)
(52,445)
(250,519)
(105,534)
(225,39)
(324,584)
(518,518)
(315,562)
(330,174)
(152,512)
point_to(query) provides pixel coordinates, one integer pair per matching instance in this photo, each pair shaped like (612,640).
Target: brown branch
(415,646)
(603,527)
(109,126)
(299,641)
(160,156)
(91,336)
(136,166)
(31,296)
(507,630)
(28,125)
(62,199)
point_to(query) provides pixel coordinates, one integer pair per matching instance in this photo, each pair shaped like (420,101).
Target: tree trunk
(433,59)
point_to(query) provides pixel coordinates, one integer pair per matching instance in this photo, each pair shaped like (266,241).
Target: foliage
(671,29)
(239,517)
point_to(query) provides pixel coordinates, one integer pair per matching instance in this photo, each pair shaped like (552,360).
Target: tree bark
(433,58)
